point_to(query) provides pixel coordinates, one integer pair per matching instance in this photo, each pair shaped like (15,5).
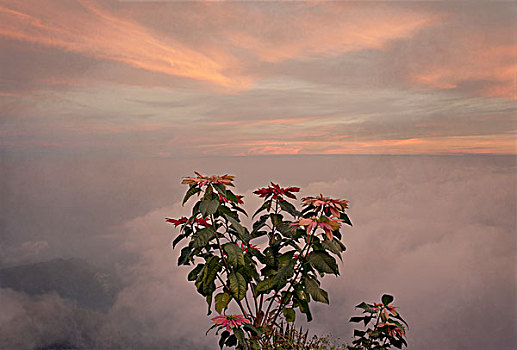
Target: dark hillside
(72,279)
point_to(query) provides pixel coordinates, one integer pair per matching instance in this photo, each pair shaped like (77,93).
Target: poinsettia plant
(268,270)
(385,326)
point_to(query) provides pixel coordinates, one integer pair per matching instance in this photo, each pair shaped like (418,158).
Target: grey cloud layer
(437,232)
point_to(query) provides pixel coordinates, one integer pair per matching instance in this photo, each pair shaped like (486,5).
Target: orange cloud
(113,129)
(331,29)
(479,144)
(472,57)
(94,31)
(482,144)
(272,150)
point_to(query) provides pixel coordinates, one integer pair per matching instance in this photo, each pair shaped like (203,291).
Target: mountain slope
(73,279)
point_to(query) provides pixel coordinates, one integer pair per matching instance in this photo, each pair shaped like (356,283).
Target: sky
(407,109)
(167,78)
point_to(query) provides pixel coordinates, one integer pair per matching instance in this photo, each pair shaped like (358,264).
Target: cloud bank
(436,232)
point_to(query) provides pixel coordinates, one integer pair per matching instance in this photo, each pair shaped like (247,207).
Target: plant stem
(226,266)
(291,283)
(248,305)
(375,327)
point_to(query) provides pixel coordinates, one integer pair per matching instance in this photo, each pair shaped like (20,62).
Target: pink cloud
(329,29)
(94,31)
(491,64)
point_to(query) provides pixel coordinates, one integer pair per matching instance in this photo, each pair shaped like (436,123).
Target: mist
(438,233)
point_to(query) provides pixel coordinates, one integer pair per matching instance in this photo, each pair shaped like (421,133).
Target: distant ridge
(73,279)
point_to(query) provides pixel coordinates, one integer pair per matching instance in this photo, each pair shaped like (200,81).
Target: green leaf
(289,314)
(241,231)
(286,229)
(345,218)
(205,281)
(212,327)
(208,207)
(190,192)
(265,205)
(276,219)
(358,333)
(286,258)
(398,317)
(222,210)
(231,341)
(235,254)
(265,285)
(304,308)
(323,262)
(255,331)
(221,301)
(283,275)
(224,335)
(202,237)
(220,188)
(271,258)
(386,299)
(250,268)
(334,245)
(315,291)
(365,307)
(239,333)
(356,319)
(209,301)
(238,285)
(192,276)
(288,207)
(185,255)
(231,196)
(236,207)
(257,225)
(178,239)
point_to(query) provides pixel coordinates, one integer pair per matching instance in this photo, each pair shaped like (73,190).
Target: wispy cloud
(328,29)
(92,30)
(241,78)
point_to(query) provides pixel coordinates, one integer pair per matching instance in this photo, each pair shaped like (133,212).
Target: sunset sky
(168,79)
(406,109)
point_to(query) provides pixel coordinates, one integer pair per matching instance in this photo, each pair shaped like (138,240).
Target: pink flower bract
(201,180)
(393,329)
(329,205)
(230,321)
(327,224)
(277,191)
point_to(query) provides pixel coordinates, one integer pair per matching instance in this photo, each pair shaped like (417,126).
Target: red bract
(230,321)
(390,308)
(202,221)
(277,191)
(332,206)
(201,180)
(223,199)
(184,220)
(243,247)
(177,222)
(393,329)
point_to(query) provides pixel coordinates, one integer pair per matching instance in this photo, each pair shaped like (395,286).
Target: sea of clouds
(438,233)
